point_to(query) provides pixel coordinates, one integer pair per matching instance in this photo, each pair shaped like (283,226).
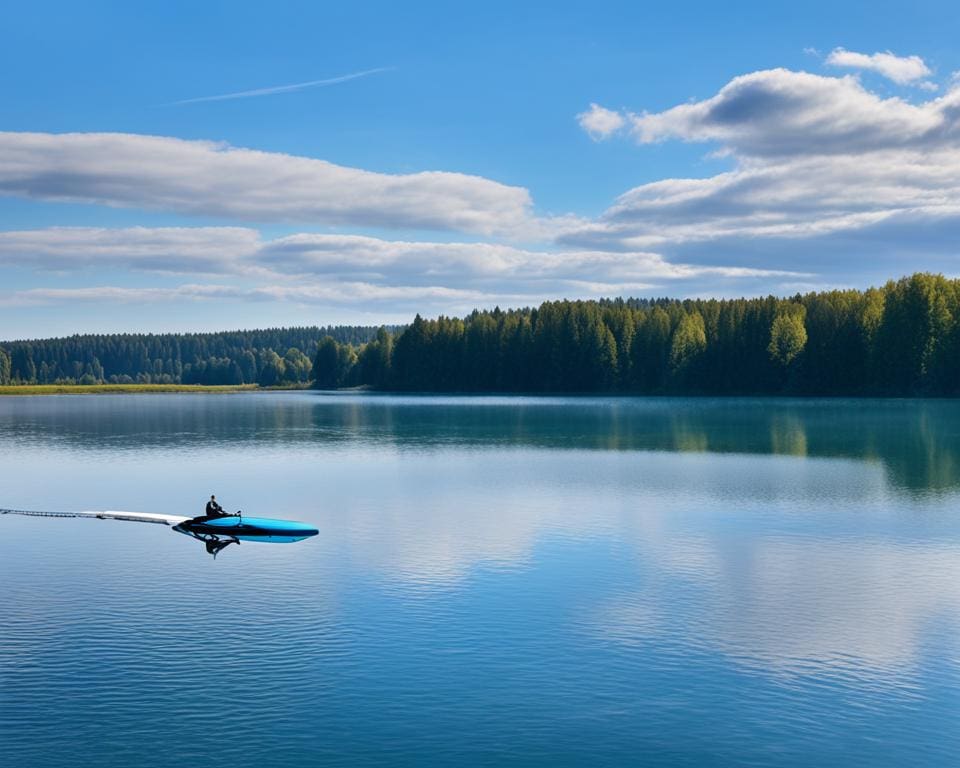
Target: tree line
(899,340)
(902,339)
(275,356)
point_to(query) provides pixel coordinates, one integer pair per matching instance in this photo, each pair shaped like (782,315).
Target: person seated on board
(214,509)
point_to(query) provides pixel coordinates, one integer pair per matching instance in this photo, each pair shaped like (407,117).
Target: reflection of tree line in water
(916,440)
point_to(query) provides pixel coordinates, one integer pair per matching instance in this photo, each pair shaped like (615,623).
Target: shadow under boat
(218,532)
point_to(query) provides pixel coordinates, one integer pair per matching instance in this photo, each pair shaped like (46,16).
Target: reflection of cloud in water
(862,608)
(440,549)
(493,510)
(461,523)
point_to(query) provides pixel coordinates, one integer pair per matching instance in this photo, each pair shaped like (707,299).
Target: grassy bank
(112,389)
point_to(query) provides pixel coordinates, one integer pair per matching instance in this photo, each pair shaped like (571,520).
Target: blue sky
(489,155)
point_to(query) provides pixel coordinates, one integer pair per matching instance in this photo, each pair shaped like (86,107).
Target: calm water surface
(500,581)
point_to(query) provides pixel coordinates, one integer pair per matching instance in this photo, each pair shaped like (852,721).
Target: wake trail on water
(136,517)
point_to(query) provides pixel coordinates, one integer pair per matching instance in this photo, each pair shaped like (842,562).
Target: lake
(497,581)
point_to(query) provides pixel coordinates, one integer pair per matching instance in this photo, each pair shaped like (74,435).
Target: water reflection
(918,441)
(708,582)
(867,610)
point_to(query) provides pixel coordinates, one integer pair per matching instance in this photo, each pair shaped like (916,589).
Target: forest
(902,339)
(272,357)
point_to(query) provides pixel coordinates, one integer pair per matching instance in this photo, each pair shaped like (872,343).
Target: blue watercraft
(216,532)
(248,528)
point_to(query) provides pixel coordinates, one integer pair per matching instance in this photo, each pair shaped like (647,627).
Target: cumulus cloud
(780,112)
(903,70)
(813,157)
(807,158)
(600,122)
(214,179)
(803,197)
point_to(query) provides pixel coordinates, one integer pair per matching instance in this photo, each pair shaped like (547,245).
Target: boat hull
(247,529)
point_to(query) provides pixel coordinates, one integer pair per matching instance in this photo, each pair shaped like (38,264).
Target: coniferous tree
(901,339)
(326,364)
(374,360)
(169,358)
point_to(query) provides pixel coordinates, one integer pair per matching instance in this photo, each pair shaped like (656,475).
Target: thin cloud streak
(283,88)
(241,251)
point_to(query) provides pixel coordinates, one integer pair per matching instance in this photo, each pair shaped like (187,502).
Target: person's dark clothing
(213,509)
(215,545)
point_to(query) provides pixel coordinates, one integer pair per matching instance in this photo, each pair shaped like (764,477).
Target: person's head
(212,497)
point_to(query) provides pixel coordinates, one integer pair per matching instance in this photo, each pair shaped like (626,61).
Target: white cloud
(213,179)
(814,157)
(376,301)
(600,122)
(780,112)
(352,259)
(112,294)
(338,293)
(799,198)
(344,270)
(352,254)
(903,70)
(161,249)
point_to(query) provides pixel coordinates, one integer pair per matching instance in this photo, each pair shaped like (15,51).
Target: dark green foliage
(269,357)
(902,339)
(271,369)
(4,367)
(23,368)
(296,367)
(326,364)
(373,362)
(914,335)
(335,365)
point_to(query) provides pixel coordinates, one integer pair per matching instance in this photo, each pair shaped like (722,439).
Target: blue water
(497,581)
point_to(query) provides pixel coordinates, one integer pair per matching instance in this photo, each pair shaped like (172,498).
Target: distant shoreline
(123,389)
(29,390)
